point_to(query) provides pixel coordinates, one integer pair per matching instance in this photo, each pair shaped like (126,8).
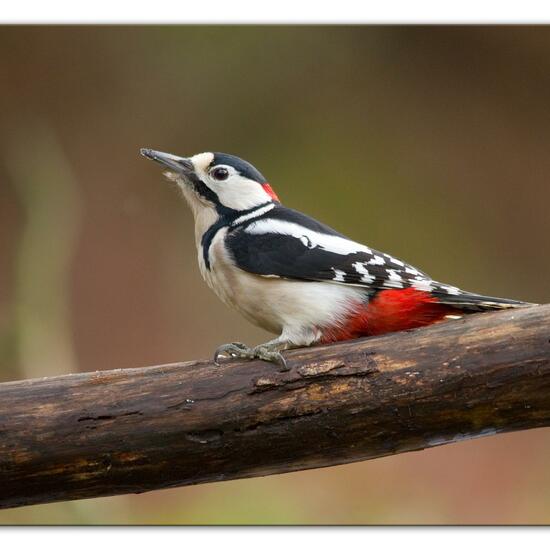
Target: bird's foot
(233,350)
(265,352)
(272,354)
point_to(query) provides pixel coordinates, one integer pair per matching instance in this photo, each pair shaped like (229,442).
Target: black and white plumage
(263,244)
(294,275)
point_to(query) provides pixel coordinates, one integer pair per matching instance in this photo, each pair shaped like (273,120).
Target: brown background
(431,143)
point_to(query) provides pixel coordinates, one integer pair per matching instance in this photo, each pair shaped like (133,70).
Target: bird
(295,276)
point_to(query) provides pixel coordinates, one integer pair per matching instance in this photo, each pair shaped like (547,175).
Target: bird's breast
(274,303)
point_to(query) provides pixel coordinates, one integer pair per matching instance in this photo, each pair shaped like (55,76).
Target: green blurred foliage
(428,142)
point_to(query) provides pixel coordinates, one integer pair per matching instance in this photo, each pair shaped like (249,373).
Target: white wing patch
(331,243)
(395,260)
(425,285)
(361,268)
(411,270)
(394,280)
(339,275)
(450,289)
(376,260)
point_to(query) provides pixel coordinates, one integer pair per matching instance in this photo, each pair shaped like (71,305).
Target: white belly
(299,310)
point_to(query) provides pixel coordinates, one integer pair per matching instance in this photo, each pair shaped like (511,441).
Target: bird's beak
(172,162)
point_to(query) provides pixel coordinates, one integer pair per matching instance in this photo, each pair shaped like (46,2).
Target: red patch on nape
(390,311)
(270,192)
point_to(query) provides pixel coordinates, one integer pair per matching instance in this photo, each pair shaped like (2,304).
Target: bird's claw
(272,356)
(233,350)
(237,350)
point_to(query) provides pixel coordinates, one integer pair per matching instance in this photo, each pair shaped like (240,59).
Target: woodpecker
(295,276)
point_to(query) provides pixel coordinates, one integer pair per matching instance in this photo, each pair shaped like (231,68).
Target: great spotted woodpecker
(295,276)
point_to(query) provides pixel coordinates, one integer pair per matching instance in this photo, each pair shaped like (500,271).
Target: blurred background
(431,143)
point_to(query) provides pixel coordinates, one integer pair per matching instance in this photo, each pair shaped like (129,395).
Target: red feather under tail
(390,311)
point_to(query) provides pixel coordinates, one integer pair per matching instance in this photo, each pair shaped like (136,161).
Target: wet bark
(129,431)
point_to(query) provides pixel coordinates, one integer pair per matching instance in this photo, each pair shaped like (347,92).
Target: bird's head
(215,181)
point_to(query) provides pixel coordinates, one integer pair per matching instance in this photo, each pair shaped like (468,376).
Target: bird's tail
(470,302)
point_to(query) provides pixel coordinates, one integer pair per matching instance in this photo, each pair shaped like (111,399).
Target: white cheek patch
(239,193)
(236,192)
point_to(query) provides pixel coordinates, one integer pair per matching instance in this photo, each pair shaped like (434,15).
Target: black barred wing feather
(285,243)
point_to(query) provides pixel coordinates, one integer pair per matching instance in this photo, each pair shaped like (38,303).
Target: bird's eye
(220,174)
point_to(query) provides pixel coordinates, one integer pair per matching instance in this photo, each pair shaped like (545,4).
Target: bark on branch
(135,430)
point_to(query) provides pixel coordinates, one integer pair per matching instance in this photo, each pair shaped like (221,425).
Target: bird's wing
(287,244)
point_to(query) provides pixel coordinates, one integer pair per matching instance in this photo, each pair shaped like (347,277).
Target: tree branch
(135,430)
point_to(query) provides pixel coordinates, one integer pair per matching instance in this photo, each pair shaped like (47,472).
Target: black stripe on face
(206,193)
(242,166)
